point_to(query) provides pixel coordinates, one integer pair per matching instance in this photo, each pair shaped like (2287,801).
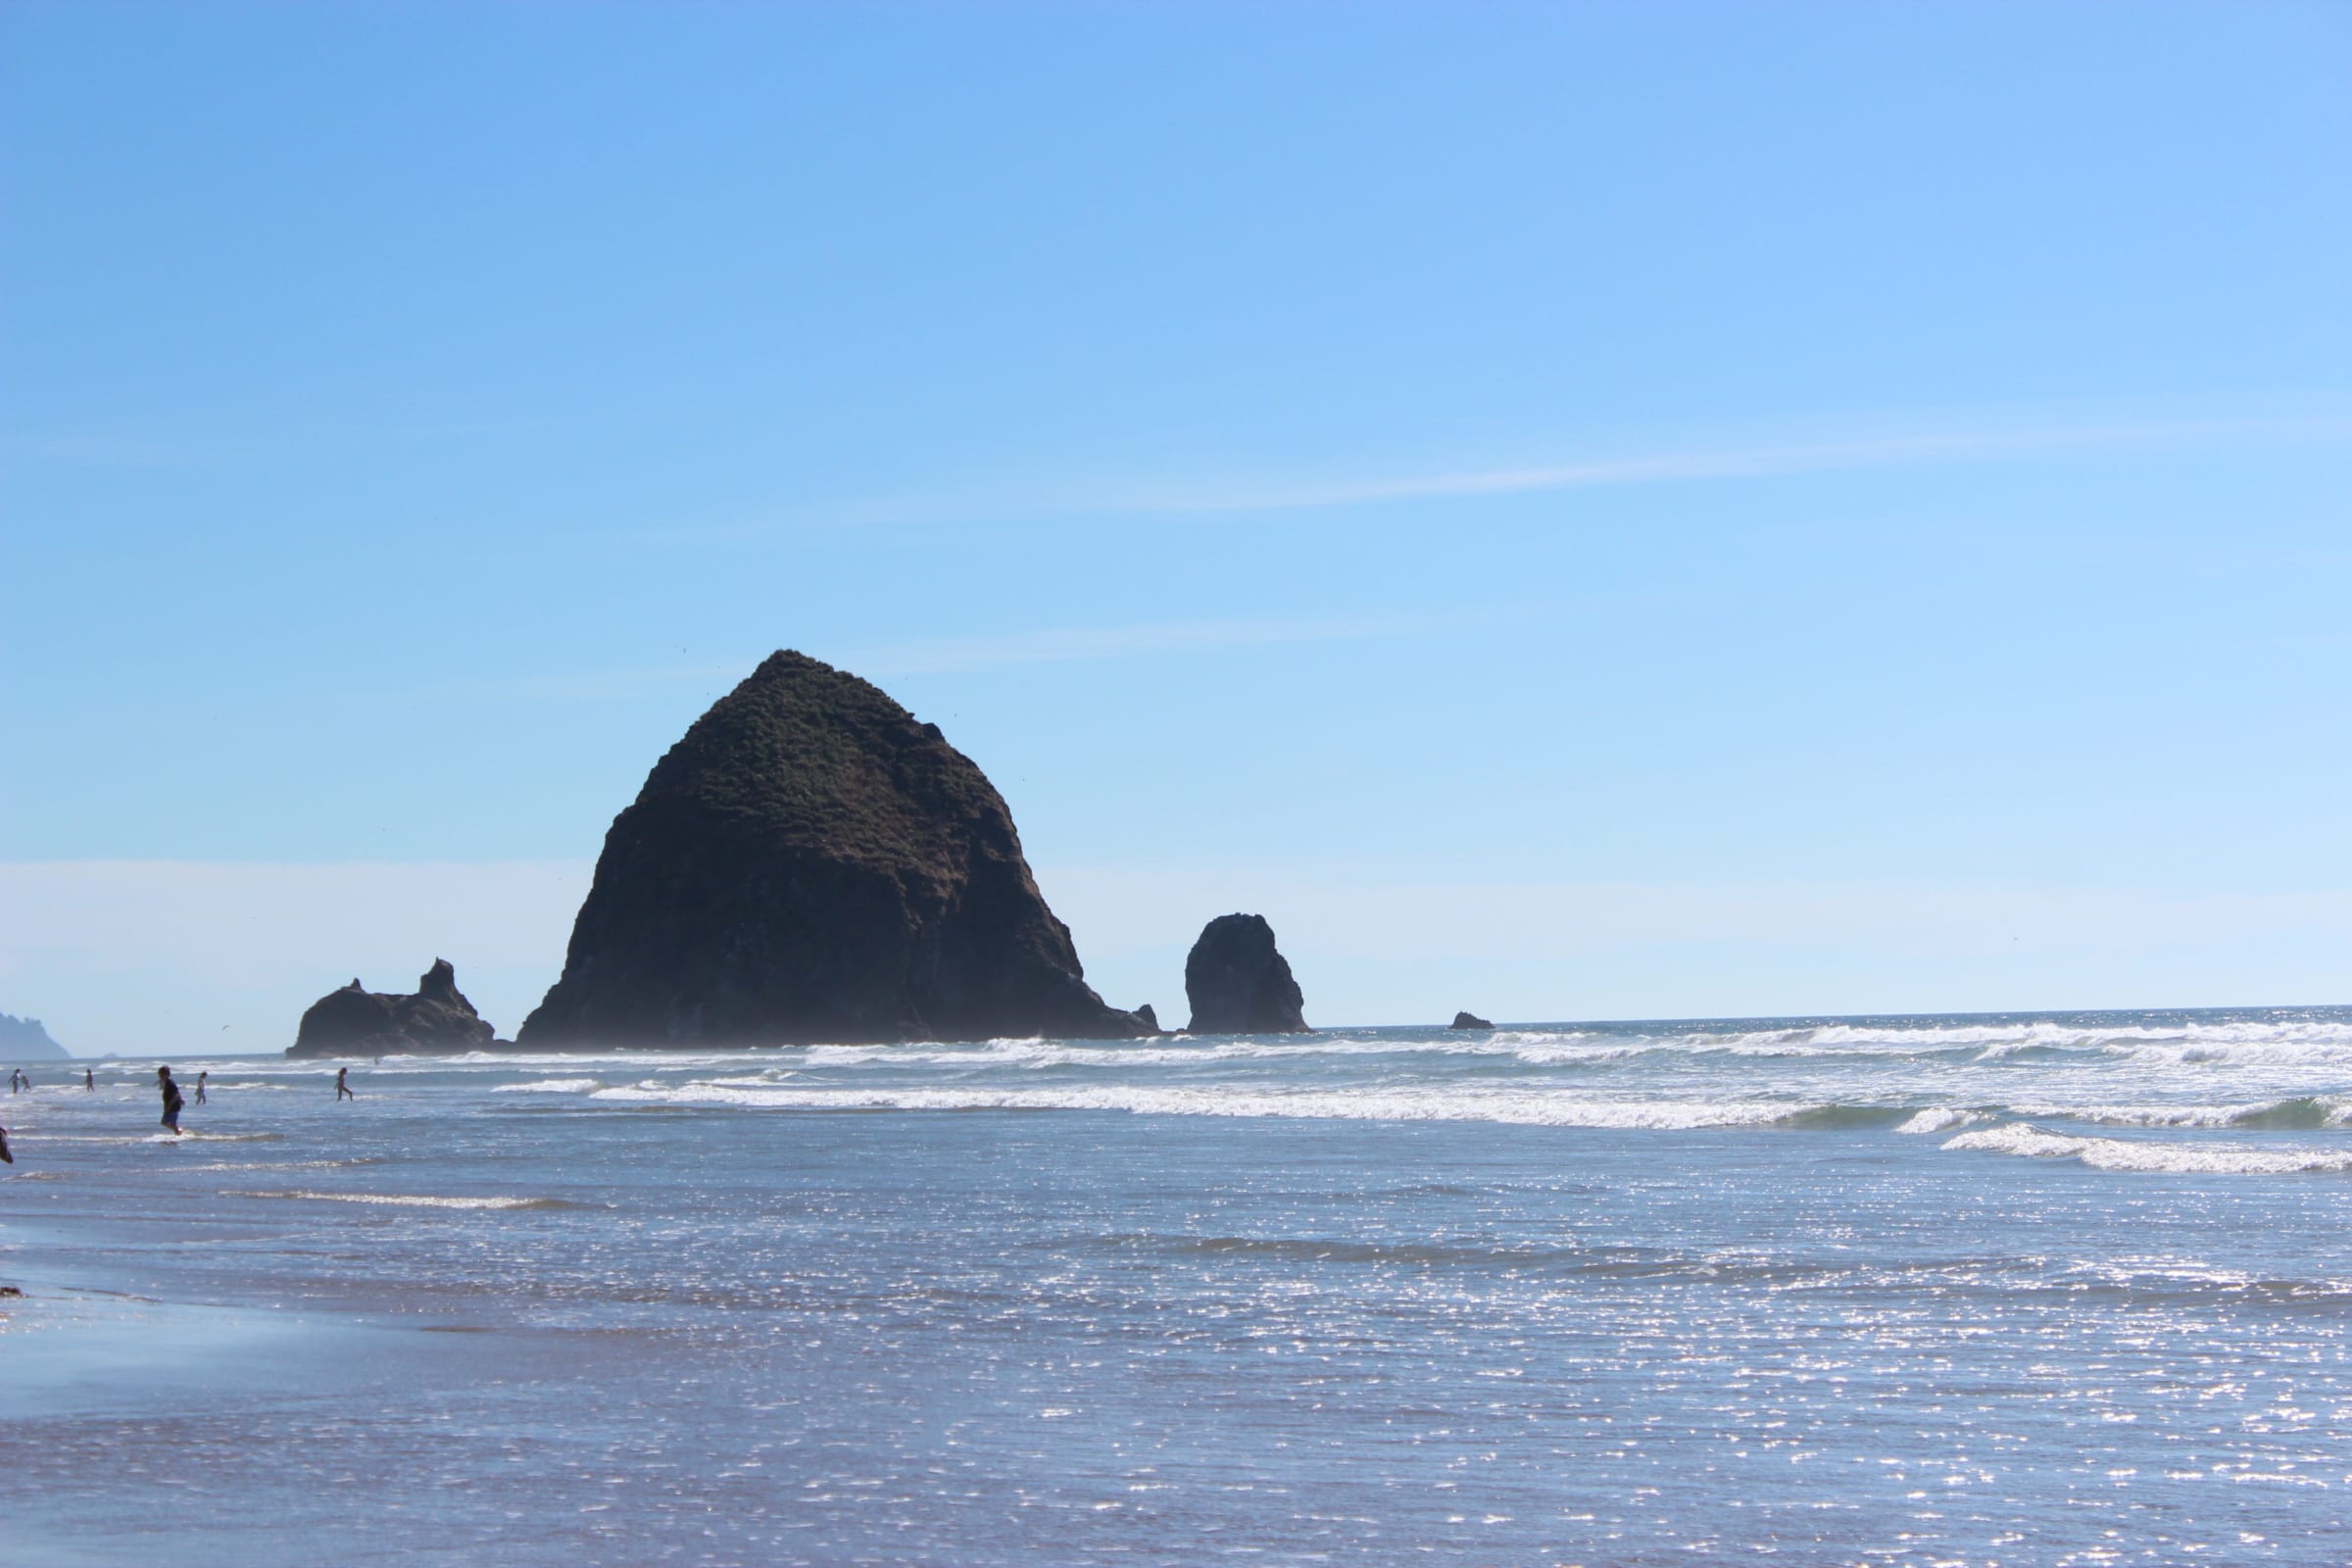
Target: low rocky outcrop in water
(1238,983)
(1469,1020)
(25,1040)
(358,1022)
(811,866)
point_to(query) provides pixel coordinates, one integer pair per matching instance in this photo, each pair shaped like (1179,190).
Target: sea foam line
(1368,1104)
(416,1200)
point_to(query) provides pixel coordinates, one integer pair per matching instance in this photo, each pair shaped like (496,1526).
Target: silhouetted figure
(17,1079)
(88,1081)
(6,1158)
(200,1078)
(171,1100)
(343,1085)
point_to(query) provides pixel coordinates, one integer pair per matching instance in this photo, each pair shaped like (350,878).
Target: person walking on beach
(200,1078)
(17,1079)
(171,1100)
(343,1085)
(89,1082)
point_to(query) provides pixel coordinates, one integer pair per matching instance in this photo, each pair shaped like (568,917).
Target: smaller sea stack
(358,1022)
(1238,983)
(1469,1020)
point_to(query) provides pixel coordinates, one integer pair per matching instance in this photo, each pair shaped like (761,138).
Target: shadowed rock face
(810,864)
(1239,984)
(1469,1020)
(358,1022)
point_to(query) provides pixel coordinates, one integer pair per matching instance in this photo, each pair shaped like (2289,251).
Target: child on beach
(200,1078)
(171,1099)
(343,1086)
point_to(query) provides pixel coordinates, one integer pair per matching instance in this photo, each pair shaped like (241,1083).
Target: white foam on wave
(2226,1116)
(2287,1042)
(549,1086)
(1031,1054)
(2128,1154)
(412,1200)
(1355,1105)
(278,1164)
(2291,1112)
(1940,1119)
(2241,1052)
(185,1139)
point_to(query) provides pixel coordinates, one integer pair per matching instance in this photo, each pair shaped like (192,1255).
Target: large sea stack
(358,1022)
(810,864)
(1239,984)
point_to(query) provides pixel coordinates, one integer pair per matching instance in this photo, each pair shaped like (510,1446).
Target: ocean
(2048,1289)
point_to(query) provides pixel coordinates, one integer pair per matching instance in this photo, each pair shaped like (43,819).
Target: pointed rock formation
(358,1022)
(1239,984)
(810,864)
(1469,1020)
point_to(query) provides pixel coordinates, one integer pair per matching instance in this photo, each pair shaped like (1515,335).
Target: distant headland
(26,1039)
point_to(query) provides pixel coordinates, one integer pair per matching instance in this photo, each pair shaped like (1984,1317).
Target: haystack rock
(811,866)
(358,1022)
(1469,1020)
(1239,984)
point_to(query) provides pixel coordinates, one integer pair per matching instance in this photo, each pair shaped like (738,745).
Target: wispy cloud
(1062,644)
(1044,645)
(1202,496)
(1690,465)
(606,685)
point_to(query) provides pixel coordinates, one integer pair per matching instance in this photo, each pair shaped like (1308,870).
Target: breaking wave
(2128,1155)
(1940,1118)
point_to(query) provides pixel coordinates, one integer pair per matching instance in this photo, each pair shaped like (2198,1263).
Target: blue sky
(1578,511)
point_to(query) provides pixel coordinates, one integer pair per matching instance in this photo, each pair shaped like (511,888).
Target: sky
(1572,512)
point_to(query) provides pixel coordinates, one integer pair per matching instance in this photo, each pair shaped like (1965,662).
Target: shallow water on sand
(2033,1290)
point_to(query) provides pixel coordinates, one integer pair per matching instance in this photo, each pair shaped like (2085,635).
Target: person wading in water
(171,1100)
(343,1085)
(200,1078)
(89,1082)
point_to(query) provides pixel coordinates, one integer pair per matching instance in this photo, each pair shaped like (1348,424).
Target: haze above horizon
(1583,512)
